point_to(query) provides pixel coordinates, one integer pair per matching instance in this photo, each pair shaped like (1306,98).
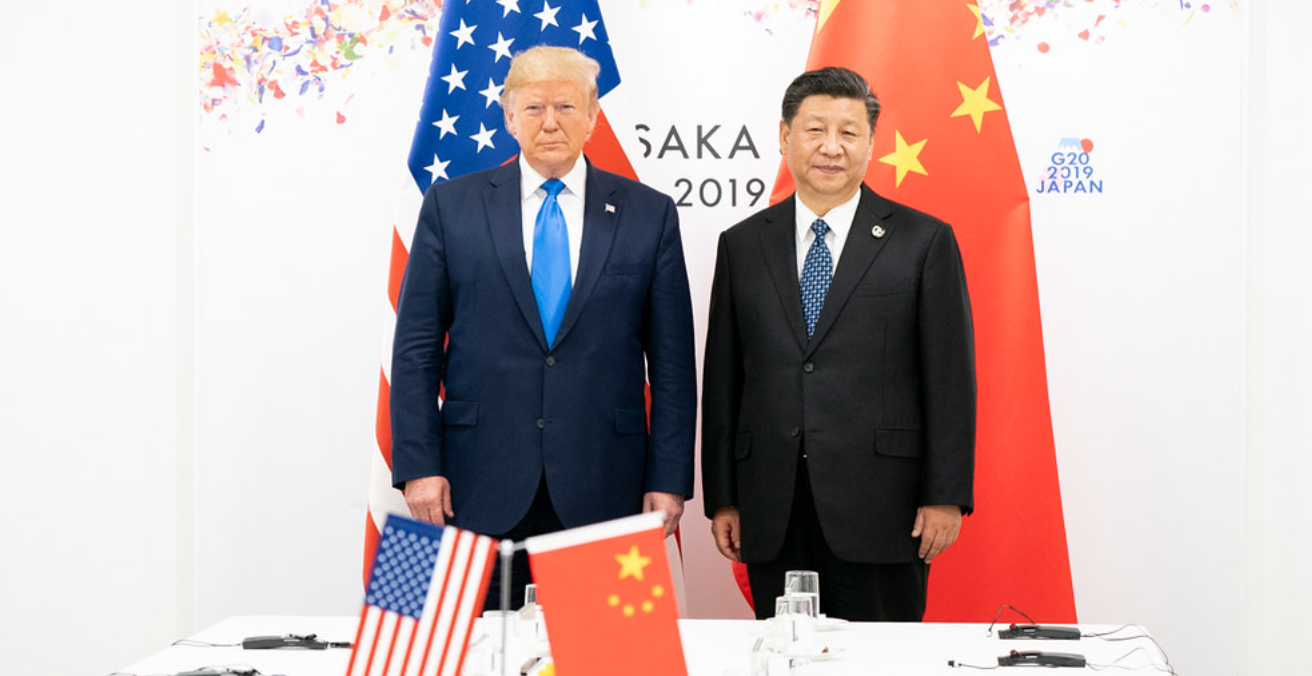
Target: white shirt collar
(839,220)
(531,181)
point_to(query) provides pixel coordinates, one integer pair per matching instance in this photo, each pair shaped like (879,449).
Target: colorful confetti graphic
(1079,20)
(257,58)
(771,12)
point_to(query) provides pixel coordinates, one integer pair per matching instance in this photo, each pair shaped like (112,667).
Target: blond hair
(545,62)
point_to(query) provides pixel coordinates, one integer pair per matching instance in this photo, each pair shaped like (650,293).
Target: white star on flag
(456,79)
(584,29)
(447,124)
(493,93)
(547,15)
(484,137)
(437,169)
(458,99)
(510,6)
(501,48)
(465,34)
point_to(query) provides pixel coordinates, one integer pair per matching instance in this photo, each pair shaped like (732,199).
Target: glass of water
(804,583)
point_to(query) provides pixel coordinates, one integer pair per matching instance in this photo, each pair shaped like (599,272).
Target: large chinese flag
(607,597)
(944,146)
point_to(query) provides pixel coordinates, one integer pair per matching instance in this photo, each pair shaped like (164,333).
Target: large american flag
(461,125)
(461,129)
(425,591)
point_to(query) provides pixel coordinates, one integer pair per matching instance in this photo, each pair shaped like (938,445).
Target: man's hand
(429,499)
(937,526)
(727,533)
(669,503)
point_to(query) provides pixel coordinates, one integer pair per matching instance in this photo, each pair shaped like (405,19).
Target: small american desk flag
(425,591)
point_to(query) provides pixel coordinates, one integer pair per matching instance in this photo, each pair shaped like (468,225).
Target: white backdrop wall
(1277,549)
(1142,295)
(153,354)
(96,522)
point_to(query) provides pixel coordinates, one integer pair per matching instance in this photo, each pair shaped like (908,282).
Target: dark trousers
(540,519)
(853,591)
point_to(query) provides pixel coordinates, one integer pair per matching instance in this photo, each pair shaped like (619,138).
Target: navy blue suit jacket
(514,407)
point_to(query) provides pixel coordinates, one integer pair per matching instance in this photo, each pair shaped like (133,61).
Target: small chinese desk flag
(425,591)
(607,598)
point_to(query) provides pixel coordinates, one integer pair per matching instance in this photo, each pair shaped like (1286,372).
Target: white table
(711,648)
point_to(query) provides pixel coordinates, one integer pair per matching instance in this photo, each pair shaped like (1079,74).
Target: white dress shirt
(840,222)
(571,203)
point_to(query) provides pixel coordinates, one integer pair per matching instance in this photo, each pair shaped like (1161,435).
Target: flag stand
(507,549)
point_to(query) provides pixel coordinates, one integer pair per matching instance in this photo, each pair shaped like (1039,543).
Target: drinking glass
(805,583)
(792,604)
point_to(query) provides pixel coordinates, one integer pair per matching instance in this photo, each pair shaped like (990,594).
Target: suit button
(551,361)
(541,423)
(794,432)
(808,367)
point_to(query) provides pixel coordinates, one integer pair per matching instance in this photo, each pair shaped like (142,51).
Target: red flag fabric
(608,600)
(944,146)
(424,592)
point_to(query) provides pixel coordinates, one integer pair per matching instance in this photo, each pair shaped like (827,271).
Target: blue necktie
(550,273)
(817,272)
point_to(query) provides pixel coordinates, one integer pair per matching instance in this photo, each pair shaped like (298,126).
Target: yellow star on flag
(826,8)
(979,27)
(906,158)
(631,564)
(975,102)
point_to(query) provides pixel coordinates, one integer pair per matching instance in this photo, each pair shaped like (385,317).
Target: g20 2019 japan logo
(1070,169)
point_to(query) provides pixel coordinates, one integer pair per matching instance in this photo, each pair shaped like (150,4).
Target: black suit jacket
(882,397)
(516,408)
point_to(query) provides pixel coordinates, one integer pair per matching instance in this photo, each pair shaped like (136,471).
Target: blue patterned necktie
(817,272)
(550,273)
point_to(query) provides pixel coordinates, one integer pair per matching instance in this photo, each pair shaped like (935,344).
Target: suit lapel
(503,204)
(779,249)
(599,227)
(859,252)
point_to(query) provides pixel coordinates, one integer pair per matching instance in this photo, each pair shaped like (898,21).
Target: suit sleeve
(671,367)
(722,388)
(948,372)
(418,353)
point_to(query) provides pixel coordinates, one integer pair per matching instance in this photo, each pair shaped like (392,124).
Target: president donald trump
(539,300)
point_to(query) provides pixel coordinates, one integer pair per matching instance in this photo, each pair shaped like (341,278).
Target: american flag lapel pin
(610,208)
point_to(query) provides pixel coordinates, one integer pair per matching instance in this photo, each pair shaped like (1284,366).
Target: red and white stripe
(383,499)
(392,644)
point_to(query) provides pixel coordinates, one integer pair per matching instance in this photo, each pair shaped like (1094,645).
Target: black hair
(839,83)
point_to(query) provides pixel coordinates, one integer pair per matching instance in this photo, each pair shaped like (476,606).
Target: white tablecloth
(711,648)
